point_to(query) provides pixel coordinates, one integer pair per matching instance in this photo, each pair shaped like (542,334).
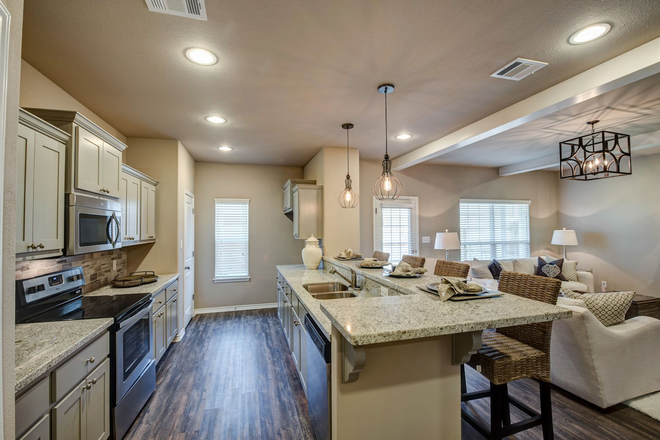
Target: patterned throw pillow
(479,271)
(568,269)
(609,308)
(495,269)
(550,270)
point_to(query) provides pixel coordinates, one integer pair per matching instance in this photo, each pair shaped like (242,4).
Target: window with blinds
(494,229)
(232,218)
(397,232)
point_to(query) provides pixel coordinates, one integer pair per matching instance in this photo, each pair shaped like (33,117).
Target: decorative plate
(377,266)
(390,274)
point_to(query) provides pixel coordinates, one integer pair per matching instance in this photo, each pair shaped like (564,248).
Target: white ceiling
(291,72)
(633,110)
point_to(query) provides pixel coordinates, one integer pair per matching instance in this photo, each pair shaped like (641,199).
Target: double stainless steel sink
(328,291)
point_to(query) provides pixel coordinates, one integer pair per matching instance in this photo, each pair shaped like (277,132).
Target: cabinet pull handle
(88,386)
(296,323)
(32,246)
(175,300)
(41,246)
(94,381)
(91,360)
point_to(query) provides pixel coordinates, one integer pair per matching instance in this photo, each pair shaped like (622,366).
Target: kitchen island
(396,351)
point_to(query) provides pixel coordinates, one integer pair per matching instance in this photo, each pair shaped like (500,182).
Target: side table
(643,305)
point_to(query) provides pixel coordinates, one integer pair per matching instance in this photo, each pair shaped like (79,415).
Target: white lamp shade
(564,237)
(447,240)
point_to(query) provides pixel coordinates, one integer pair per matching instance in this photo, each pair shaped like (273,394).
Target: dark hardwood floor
(232,378)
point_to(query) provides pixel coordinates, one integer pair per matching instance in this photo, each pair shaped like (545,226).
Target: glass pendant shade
(348,198)
(387,187)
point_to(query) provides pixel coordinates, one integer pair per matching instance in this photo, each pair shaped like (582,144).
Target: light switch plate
(426,239)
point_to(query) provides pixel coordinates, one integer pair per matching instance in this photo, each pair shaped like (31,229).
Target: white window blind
(397,232)
(232,218)
(494,229)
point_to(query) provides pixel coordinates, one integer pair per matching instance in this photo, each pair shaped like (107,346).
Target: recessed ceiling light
(216,119)
(403,136)
(590,33)
(201,56)
(225,148)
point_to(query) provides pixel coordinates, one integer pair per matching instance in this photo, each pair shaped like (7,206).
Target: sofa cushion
(550,269)
(568,269)
(575,286)
(525,265)
(609,308)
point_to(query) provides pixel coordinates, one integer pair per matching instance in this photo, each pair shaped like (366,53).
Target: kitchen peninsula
(396,351)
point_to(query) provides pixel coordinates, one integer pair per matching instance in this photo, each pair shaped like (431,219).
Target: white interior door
(189,259)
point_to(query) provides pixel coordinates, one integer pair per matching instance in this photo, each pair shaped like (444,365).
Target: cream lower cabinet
(172,315)
(160,333)
(40,190)
(84,414)
(292,314)
(165,318)
(147,211)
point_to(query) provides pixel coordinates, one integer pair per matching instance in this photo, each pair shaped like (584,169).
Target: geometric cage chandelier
(597,155)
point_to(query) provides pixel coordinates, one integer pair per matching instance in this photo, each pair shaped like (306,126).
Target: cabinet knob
(41,246)
(31,246)
(94,381)
(91,360)
(174,300)
(88,386)
(296,323)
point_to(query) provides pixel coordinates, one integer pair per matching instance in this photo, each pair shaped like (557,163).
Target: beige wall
(617,222)
(439,189)
(39,92)
(341,226)
(271,232)
(15,8)
(157,158)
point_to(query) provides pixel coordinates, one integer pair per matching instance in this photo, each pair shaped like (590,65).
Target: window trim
(496,202)
(412,201)
(217,280)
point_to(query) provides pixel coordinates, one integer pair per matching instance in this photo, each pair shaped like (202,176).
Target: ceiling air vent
(518,69)
(183,8)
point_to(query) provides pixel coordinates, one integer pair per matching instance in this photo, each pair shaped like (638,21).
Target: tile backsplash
(97,267)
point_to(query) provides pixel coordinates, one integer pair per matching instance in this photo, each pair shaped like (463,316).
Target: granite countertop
(41,346)
(296,276)
(151,288)
(416,314)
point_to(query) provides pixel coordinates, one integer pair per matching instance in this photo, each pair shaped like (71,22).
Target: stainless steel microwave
(94,224)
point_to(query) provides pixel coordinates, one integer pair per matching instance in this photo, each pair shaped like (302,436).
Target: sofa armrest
(586,278)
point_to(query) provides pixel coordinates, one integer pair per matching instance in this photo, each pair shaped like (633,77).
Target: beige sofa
(604,365)
(585,282)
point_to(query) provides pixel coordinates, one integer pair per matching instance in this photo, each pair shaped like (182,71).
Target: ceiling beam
(625,69)
(647,143)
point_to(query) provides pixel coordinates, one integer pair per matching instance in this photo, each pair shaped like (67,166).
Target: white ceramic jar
(312,253)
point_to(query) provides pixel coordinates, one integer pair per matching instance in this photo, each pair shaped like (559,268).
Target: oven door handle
(136,316)
(114,238)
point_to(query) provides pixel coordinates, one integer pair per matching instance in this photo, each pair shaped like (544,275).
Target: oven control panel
(45,286)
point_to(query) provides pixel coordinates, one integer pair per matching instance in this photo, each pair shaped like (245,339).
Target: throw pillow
(550,270)
(495,269)
(479,271)
(524,265)
(609,308)
(568,269)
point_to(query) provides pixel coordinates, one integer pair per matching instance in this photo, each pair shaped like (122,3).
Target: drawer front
(40,431)
(159,300)
(171,290)
(75,370)
(32,405)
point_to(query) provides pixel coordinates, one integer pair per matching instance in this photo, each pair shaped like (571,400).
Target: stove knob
(41,287)
(31,290)
(74,277)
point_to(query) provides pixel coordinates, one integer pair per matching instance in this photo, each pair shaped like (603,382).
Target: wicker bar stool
(451,269)
(512,353)
(413,260)
(381,256)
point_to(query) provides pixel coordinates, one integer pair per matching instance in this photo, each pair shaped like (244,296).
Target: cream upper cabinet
(307,201)
(130,205)
(111,170)
(287,193)
(147,211)
(89,162)
(40,189)
(94,156)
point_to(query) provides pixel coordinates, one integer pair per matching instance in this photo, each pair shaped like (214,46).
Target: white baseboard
(236,308)
(179,336)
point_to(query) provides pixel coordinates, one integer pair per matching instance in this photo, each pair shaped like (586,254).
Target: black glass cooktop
(93,307)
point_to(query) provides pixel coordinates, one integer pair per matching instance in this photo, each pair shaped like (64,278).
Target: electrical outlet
(426,239)
(114,264)
(603,286)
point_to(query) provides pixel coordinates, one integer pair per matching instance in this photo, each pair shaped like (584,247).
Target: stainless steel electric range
(58,297)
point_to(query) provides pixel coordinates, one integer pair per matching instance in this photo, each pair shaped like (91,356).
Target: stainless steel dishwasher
(318,379)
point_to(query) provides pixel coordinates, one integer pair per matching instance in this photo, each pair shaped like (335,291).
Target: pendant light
(348,198)
(387,187)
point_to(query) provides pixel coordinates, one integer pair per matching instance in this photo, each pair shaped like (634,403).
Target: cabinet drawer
(32,405)
(159,301)
(40,431)
(75,370)
(171,291)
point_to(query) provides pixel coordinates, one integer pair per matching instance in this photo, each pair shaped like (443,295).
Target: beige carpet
(648,404)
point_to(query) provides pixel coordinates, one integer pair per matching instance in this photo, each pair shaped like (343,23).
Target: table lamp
(447,240)
(564,238)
